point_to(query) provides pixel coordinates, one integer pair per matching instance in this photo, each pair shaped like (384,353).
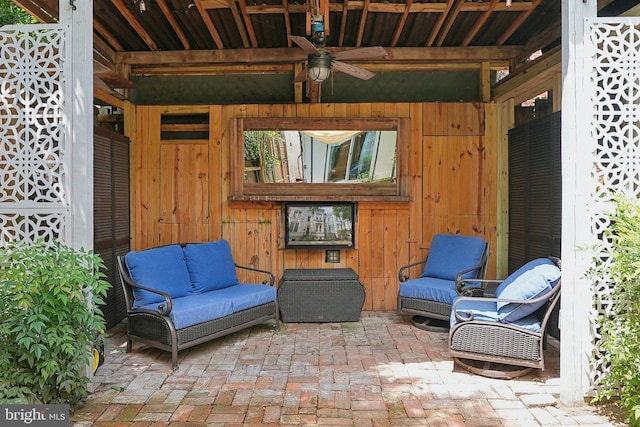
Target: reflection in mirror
(320,156)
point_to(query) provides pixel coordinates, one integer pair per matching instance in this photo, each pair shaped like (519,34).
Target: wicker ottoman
(317,295)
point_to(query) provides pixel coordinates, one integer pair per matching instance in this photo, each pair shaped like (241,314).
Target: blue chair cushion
(429,288)
(244,296)
(487,311)
(450,254)
(197,308)
(210,266)
(163,269)
(534,279)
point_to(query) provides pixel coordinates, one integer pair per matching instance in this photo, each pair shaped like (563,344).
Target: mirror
(320,159)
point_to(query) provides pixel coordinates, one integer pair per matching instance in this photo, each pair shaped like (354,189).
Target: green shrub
(49,321)
(620,330)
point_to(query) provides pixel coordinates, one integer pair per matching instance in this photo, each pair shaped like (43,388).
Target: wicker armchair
(451,259)
(505,336)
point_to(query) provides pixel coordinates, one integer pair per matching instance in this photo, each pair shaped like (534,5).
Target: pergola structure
(48,103)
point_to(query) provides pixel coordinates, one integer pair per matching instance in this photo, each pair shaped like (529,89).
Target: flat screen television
(320,225)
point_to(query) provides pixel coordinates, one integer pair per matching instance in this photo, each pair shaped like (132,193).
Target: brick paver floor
(380,371)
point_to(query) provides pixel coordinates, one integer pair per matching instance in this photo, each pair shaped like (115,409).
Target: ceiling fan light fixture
(319,68)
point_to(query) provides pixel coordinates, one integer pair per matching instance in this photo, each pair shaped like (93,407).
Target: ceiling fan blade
(301,76)
(360,53)
(305,44)
(352,70)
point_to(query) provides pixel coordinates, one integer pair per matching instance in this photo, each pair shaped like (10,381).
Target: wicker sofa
(179,296)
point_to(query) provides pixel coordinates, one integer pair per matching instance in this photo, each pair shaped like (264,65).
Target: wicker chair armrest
(401,273)
(461,286)
(469,313)
(270,280)
(162,308)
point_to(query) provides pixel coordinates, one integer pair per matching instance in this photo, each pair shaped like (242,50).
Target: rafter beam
(209,24)
(133,21)
(363,21)
(401,22)
(479,23)
(247,23)
(448,22)
(517,22)
(174,24)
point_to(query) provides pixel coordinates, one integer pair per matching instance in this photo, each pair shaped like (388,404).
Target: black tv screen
(322,225)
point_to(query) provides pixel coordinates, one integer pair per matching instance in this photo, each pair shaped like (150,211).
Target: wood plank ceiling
(143,37)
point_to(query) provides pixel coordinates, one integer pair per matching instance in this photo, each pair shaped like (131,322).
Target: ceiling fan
(320,62)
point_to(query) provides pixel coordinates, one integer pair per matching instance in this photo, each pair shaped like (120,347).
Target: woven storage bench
(317,295)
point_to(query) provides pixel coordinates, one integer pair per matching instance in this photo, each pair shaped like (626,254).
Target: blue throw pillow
(210,266)
(532,280)
(450,254)
(160,268)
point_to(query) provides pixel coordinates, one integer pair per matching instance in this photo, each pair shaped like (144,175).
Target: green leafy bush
(620,330)
(49,321)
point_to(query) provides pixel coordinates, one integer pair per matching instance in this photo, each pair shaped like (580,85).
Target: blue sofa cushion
(450,254)
(197,308)
(429,288)
(244,296)
(532,280)
(160,268)
(210,266)
(487,311)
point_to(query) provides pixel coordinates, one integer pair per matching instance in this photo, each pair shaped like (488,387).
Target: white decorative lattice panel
(33,148)
(615,83)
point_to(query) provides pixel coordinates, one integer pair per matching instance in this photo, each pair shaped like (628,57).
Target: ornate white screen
(34,151)
(615,81)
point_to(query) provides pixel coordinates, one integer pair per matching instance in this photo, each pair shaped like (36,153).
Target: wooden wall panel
(450,170)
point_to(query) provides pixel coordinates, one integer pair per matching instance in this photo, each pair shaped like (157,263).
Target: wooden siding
(452,169)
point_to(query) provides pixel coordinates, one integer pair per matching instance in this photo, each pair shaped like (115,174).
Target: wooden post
(577,160)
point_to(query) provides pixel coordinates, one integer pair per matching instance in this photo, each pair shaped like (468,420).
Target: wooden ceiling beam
(133,21)
(542,40)
(250,57)
(517,22)
(477,26)
(168,14)
(209,24)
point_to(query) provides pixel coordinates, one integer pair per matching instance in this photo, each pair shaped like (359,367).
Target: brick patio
(380,371)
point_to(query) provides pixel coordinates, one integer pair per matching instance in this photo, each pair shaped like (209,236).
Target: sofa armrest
(270,280)
(162,308)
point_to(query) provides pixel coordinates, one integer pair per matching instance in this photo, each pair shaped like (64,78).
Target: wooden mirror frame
(240,190)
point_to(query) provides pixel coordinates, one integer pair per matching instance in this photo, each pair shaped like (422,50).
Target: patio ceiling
(182,37)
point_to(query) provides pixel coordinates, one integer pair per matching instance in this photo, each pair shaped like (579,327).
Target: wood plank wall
(453,188)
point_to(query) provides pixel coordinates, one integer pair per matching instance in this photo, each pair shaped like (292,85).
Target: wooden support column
(577,161)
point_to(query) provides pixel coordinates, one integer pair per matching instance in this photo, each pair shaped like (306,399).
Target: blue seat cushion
(429,288)
(196,308)
(244,296)
(450,254)
(487,311)
(210,266)
(534,279)
(160,268)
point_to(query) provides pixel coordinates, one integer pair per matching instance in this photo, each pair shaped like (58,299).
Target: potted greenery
(620,328)
(49,321)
